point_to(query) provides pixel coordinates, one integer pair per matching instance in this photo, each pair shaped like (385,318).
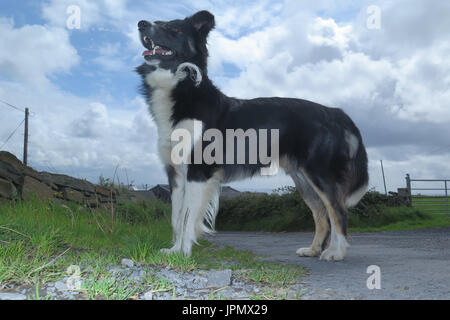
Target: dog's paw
(333,254)
(307,252)
(170,250)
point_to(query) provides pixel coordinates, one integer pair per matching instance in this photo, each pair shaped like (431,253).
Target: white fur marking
(354,198)
(337,248)
(177,198)
(353,144)
(307,252)
(196,74)
(200,203)
(162,81)
(153,62)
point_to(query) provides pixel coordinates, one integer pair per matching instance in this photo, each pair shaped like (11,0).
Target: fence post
(408,187)
(446,195)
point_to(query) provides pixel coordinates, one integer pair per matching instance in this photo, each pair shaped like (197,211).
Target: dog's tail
(358,169)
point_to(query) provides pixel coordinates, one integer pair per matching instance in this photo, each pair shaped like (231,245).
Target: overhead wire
(12,106)
(32,114)
(12,134)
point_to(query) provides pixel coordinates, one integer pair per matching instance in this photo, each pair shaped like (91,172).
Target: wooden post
(384,180)
(446,195)
(25,139)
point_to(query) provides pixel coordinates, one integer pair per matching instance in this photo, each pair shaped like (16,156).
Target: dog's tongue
(147,53)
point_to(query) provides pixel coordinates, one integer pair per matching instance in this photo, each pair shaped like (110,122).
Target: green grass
(403,218)
(39,240)
(431,204)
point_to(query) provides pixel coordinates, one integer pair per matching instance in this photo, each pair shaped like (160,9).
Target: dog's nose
(143,24)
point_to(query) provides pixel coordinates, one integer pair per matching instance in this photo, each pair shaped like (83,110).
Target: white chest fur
(163,82)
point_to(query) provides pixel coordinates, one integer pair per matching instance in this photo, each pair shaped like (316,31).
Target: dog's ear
(203,22)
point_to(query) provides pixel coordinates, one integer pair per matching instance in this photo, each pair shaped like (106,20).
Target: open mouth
(154,49)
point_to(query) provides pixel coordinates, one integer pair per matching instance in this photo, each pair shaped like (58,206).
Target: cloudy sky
(384,62)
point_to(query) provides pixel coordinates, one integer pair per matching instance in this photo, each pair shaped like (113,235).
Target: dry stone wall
(18,180)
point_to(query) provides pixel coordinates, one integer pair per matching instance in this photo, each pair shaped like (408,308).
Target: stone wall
(18,180)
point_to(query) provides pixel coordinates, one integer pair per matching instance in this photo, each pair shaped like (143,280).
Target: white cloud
(245,16)
(423,84)
(406,26)
(32,53)
(285,60)
(326,32)
(110,57)
(80,136)
(393,81)
(93,124)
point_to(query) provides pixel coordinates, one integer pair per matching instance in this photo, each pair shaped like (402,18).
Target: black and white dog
(319,147)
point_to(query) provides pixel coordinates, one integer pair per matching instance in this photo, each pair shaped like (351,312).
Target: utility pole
(384,180)
(25,139)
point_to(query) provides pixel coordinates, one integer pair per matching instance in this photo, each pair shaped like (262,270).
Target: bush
(274,212)
(285,210)
(374,198)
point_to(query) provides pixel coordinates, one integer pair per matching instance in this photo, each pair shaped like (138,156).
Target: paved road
(413,264)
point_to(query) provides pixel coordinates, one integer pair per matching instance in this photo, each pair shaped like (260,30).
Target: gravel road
(413,264)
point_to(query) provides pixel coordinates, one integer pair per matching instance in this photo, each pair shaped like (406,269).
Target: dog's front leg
(177,185)
(201,202)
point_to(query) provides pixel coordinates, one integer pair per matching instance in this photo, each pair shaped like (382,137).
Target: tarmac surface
(412,264)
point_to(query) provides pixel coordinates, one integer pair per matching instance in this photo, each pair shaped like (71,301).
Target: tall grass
(34,232)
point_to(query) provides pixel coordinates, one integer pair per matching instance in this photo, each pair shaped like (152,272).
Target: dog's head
(171,43)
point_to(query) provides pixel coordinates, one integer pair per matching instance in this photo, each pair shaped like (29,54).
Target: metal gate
(435,199)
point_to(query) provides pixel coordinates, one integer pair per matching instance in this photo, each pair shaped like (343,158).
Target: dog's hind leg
(200,205)
(320,215)
(337,248)
(337,213)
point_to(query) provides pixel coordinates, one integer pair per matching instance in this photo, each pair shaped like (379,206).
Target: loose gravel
(170,285)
